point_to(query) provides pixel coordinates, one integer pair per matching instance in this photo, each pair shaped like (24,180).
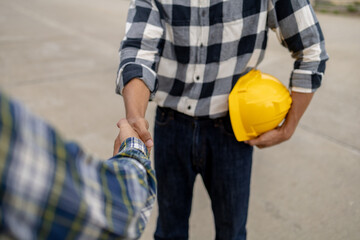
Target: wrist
(133,117)
(288,128)
(138,122)
(136,96)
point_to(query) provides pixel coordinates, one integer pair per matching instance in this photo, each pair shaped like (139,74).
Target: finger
(259,142)
(253,142)
(141,127)
(145,136)
(261,146)
(124,124)
(126,130)
(116,146)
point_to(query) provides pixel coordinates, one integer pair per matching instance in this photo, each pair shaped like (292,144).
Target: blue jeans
(187,146)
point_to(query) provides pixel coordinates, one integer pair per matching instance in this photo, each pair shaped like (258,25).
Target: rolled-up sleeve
(298,29)
(140,49)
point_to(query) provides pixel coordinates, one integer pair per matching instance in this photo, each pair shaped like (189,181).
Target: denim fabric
(186,146)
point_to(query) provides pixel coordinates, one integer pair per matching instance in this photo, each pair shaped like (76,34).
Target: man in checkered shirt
(186,55)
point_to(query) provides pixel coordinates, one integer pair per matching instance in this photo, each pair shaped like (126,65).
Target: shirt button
(203,13)
(201,45)
(197,78)
(189,107)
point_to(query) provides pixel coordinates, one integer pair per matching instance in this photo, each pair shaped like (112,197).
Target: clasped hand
(135,127)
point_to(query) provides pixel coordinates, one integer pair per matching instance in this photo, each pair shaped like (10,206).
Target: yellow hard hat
(258,103)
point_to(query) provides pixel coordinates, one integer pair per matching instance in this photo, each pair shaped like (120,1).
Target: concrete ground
(60,58)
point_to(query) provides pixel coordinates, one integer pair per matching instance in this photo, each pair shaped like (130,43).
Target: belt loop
(218,122)
(171,113)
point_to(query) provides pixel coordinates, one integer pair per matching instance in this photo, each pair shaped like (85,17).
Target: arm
(136,96)
(129,186)
(54,189)
(129,189)
(139,55)
(297,28)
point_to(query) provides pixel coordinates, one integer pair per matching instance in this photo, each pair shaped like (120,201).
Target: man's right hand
(126,130)
(141,126)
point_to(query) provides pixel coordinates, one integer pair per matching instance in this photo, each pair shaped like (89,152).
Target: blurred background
(60,58)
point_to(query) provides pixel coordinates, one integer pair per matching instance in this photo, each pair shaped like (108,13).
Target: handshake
(133,128)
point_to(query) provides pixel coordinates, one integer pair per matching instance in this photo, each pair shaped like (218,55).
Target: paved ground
(60,58)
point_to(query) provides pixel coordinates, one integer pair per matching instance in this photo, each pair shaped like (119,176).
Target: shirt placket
(200,61)
(199,66)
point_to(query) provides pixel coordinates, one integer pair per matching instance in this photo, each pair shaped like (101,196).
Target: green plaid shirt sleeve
(51,189)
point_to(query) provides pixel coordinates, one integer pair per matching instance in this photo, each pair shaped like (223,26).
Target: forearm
(129,186)
(300,102)
(136,96)
(139,179)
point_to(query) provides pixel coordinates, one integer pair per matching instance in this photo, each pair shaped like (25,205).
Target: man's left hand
(270,138)
(300,101)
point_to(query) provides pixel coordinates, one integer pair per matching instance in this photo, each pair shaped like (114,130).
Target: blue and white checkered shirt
(51,189)
(190,53)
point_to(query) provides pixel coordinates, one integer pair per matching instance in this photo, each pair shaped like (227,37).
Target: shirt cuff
(133,144)
(134,70)
(305,81)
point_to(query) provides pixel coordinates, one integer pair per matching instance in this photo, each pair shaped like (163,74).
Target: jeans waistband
(178,115)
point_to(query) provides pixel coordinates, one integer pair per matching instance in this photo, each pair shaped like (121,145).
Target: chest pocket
(178,13)
(230,10)
(186,12)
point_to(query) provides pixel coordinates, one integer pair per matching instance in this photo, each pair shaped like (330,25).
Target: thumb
(141,126)
(145,136)
(252,142)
